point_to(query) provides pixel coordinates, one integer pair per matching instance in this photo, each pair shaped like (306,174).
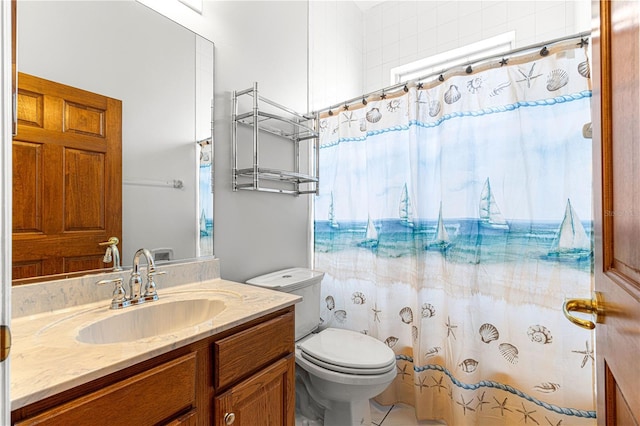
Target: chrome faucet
(120,298)
(135,282)
(112,253)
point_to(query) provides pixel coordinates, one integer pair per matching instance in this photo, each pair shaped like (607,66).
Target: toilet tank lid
(287,279)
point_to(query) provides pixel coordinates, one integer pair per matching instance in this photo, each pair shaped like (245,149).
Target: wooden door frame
(601,160)
(6,110)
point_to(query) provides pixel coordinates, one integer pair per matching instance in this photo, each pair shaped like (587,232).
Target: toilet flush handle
(229,418)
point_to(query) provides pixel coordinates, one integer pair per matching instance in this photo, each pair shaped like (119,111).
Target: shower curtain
(205,199)
(454,219)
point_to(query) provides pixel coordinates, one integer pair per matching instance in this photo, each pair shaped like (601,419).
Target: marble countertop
(47,358)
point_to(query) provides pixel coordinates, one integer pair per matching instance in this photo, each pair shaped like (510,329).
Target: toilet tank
(302,282)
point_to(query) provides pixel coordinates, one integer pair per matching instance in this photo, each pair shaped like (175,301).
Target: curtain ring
(364,101)
(441,78)
(469,70)
(544,51)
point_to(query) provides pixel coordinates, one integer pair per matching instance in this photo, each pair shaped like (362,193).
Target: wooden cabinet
(160,394)
(243,376)
(262,356)
(264,399)
(251,350)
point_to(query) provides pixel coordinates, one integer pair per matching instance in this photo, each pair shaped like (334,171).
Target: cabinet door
(264,399)
(189,419)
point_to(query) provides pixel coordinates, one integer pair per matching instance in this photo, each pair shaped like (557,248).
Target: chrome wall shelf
(268,117)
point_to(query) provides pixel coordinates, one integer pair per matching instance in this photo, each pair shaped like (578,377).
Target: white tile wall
(413,30)
(336,51)
(394,33)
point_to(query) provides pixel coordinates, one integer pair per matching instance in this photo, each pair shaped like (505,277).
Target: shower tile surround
(47,316)
(353,51)
(400,32)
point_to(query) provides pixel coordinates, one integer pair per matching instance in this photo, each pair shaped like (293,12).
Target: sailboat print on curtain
(470,302)
(405,210)
(489,212)
(332,218)
(203,224)
(441,241)
(571,241)
(370,236)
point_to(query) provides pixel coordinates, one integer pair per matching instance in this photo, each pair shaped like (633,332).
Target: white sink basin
(150,320)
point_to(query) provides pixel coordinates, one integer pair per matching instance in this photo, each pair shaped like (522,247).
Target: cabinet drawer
(151,397)
(248,351)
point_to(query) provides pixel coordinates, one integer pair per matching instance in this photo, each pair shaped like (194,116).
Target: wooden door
(616,148)
(264,399)
(67,171)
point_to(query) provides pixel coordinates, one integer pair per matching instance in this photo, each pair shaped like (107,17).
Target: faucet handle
(119,295)
(150,287)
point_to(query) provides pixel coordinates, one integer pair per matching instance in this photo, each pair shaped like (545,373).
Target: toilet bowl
(337,370)
(351,369)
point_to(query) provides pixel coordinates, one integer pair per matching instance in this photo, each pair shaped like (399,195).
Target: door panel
(67,191)
(27,209)
(616,106)
(84,203)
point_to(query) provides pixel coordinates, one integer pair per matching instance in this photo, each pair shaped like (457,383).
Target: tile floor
(396,415)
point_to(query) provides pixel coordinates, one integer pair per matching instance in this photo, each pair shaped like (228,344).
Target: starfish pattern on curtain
(452,223)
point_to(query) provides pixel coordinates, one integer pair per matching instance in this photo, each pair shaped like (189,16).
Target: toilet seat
(347,370)
(347,351)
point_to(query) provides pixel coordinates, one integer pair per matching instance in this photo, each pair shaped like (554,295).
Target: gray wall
(255,232)
(267,42)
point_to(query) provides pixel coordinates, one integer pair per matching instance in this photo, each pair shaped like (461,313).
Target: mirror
(163,74)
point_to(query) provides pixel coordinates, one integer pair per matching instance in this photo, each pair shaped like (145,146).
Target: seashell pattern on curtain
(467,285)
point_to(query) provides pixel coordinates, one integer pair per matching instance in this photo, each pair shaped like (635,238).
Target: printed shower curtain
(453,221)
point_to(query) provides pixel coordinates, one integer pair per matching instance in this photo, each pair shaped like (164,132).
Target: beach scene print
(453,221)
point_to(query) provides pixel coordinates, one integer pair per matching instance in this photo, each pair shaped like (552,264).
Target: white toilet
(338,370)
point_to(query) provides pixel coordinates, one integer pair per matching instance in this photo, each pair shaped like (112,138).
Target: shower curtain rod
(543,52)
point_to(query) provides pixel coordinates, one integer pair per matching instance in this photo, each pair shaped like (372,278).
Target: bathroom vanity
(236,367)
